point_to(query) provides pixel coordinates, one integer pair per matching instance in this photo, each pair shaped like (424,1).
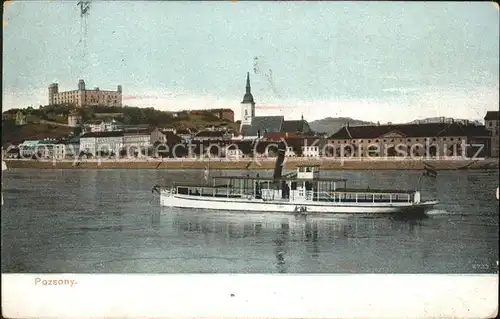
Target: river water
(108,221)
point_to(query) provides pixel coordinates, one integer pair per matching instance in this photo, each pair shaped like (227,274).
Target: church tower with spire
(247,105)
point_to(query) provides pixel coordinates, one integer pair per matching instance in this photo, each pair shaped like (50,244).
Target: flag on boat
(429,170)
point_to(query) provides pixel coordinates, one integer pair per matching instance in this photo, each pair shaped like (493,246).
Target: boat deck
(343,195)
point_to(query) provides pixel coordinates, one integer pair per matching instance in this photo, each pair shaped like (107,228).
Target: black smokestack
(278,168)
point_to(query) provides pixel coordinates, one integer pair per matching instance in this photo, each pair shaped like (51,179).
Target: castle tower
(247,105)
(53,90)
(81,85)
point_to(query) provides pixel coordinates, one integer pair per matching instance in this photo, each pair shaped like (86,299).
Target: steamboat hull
(168,199)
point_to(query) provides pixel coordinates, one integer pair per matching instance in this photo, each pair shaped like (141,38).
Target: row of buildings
(445,138)
(455,139)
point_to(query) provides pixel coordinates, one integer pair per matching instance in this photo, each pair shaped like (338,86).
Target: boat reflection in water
(290,236)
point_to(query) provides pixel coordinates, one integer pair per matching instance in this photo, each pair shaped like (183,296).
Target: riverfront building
(491,121)
(83,97)
(452,139)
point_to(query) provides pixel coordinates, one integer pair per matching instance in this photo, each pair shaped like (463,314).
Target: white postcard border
(249,296)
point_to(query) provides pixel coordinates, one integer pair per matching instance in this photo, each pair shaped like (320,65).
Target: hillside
(15,134)
(49,121)
(331,125)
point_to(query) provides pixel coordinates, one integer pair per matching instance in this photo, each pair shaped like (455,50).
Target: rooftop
(263,125)
(102,134)
(410,130)
(214,134)
(275,124)
(491,116)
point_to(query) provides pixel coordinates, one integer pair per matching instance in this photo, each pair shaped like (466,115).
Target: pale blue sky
(372,61)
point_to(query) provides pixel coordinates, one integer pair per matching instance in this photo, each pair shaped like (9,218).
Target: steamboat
(302,192)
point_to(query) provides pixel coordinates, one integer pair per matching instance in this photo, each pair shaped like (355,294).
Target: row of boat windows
(328,196)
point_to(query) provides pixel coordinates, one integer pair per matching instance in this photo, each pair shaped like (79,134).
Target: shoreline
(267,164)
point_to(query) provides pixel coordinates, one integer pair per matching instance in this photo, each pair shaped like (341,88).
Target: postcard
(231,159)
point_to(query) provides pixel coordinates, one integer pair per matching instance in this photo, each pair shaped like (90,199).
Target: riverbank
(326,164)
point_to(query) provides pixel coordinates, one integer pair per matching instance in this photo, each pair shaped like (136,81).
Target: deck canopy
(309,165)
(318,179)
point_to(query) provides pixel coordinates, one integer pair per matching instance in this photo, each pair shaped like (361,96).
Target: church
(259,126)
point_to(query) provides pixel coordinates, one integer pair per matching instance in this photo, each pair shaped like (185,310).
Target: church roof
(295,126)
(275,124)
(264,124)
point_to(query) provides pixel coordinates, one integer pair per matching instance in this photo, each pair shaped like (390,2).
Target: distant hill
(331,125)
(446,119)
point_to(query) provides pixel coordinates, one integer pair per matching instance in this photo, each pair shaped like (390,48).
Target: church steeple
(247,105)
(248,98)
(248,82)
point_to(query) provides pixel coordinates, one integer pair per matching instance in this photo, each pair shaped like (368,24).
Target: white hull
(255,205)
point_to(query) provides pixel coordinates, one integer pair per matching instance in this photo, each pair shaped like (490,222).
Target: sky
(373,61)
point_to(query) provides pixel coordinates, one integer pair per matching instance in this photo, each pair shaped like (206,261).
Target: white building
(289,152)
(106,142)
(42,149)
(103,126)
(46,149)
(165,137)
(234,154)
(185,134)
(310,151)
(28,148)
(212,136)
(138,140)
(67,148)
(60,151)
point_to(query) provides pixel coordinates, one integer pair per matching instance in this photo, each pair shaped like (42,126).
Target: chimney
(278,167)
(258,133)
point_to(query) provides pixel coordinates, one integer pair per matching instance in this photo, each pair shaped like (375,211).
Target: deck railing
(270,194)
(364,197)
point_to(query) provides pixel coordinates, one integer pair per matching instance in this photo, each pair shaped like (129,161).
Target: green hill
(37,118)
